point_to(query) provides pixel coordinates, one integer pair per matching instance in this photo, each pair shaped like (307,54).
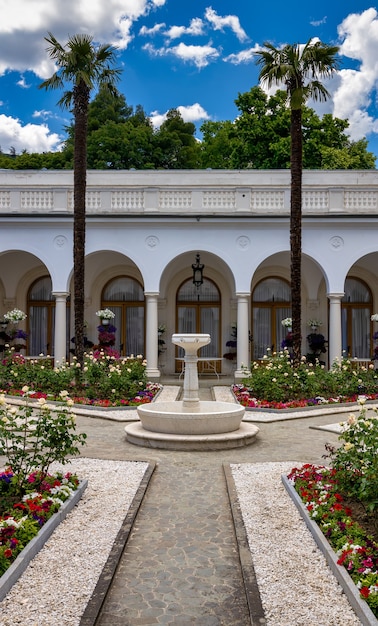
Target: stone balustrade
(200,192)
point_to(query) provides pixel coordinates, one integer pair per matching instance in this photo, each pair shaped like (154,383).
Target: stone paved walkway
(181,564)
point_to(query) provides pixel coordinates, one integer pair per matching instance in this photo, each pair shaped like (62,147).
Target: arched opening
(125,297)
(41,318)
(356,310)
(271,303)
(199,311)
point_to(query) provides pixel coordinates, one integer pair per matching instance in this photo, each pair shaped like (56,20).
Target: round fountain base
(191,426)
(191,418)
(243,436)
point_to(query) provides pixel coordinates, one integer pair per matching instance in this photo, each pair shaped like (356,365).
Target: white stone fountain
(191,424)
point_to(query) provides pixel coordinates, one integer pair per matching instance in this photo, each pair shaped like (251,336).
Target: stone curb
(20,564)
(252,592)
(360,607)
(96,601)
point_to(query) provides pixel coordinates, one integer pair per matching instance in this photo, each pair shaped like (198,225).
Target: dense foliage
(330,495)
(121,137)
(105,380)
(274,383)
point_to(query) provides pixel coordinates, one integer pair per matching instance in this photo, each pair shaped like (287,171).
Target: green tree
(175,144)
(259,138)
(219,140)
(83,66)
(299,68)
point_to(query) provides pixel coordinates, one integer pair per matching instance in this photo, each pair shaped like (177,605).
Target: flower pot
(105,322)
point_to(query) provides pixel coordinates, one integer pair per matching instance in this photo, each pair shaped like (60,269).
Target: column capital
(151,294)
(336,295)
(60,294)
(243,294)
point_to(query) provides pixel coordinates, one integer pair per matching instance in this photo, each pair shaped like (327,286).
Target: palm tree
(84,66)
(299,67)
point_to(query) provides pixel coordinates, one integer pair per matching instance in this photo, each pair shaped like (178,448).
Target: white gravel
(55,588)
(297,587)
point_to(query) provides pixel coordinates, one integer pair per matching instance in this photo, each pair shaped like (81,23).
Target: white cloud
(22,83)
(352,97)
(31,137)
(200,56)
(144,31)
(319,22)
(195,28)
(190,113)
(230,21)
(24,24)
(245,56)
(193,113)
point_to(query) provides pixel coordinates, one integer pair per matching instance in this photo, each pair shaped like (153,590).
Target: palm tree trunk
(81,99)
(296,230)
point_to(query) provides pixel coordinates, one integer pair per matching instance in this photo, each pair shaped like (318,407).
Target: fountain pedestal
(191,424)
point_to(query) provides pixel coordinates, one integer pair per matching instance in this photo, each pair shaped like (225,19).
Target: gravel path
(297,587)
(55,588)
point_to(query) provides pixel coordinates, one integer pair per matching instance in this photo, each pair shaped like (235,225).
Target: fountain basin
(203,418)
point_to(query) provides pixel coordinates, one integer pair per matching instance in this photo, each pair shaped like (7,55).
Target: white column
(152,369)
(334,339)
(60,338)
(242,354)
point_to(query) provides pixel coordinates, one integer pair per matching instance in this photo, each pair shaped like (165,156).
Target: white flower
(15,316)
(287,322)
(314,323)
(374,317)
(105,314)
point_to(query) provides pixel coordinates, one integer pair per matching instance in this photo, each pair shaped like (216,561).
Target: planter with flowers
(106,334)
(287,343)
(316,343)
(11,335)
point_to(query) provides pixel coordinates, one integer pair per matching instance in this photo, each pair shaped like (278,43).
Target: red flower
(8,553)
(365,592)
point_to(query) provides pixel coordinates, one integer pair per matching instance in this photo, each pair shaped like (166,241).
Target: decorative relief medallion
(336,243)
(60,241)
(243,242)
(152,241)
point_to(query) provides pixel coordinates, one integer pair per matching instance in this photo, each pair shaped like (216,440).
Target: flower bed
(275,384)
(356,550)
(143,397)
(103,381)
(22,515)
(342,500)
(244,397)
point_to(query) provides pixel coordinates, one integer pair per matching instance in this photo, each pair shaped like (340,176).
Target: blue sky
(195,56)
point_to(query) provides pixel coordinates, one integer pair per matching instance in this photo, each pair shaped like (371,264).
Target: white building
(144,231)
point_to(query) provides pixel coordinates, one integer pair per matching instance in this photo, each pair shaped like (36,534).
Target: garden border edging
(360,607)
(13,573)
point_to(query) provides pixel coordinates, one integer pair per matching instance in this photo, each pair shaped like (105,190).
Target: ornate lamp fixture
(197,268)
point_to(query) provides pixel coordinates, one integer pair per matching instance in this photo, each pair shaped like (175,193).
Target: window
(125,297)
(356,310)
(41,318)
(198,311)
(271,303)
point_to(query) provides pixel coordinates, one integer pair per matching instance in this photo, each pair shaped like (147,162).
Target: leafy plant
(275,382)
(321,490)
(356,460)
(33,436)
